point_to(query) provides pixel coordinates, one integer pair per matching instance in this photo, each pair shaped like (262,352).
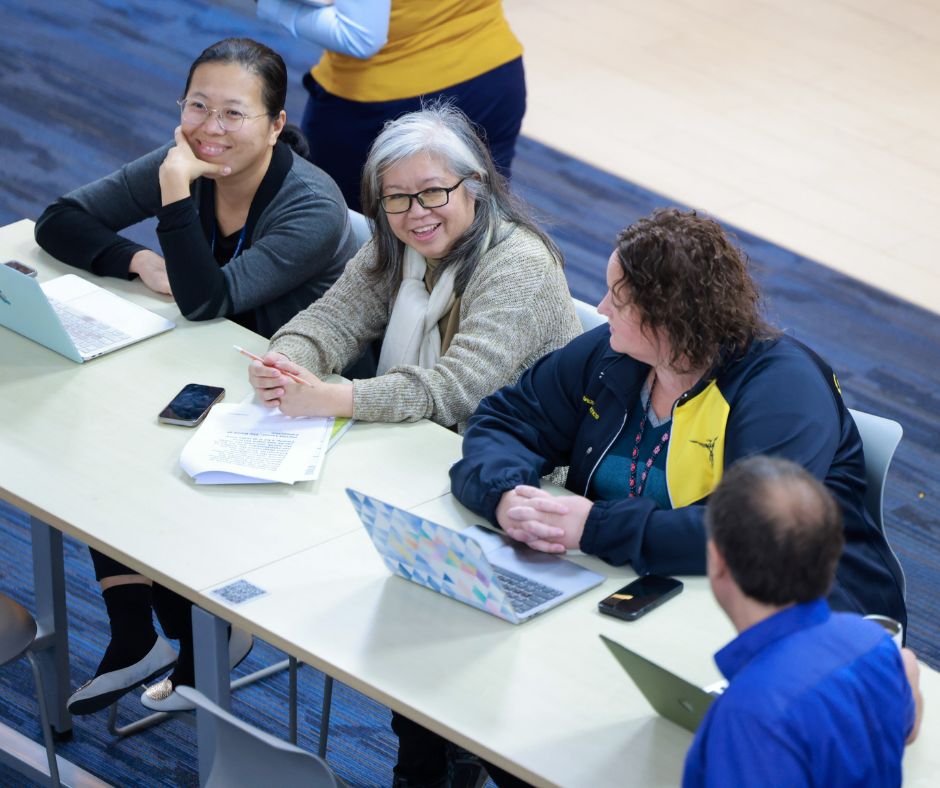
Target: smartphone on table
(639,597)
(16,265)
(191,405)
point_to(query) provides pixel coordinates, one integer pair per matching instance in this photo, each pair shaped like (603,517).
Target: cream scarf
(412,336)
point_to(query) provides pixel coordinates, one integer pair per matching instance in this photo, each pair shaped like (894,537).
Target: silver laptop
(476,566)
(672,697)
(73,317)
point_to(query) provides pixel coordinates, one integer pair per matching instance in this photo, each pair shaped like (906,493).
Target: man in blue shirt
(815,697)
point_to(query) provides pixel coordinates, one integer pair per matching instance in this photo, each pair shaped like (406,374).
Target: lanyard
(636,488)
(238,246)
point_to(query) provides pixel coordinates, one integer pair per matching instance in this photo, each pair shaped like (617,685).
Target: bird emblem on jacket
(710,446)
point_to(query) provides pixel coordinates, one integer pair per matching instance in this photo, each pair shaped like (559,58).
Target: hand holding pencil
(273,377)
(292,375)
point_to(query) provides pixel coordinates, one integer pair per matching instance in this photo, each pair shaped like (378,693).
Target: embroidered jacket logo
(707,444)
(590,403)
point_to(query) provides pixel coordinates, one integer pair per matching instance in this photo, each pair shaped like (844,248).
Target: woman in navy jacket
(649,410)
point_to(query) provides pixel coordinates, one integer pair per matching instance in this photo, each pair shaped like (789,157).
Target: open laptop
(73,317)
(673,698)
(476,566)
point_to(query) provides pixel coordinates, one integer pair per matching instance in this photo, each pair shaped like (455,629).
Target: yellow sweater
(432,44)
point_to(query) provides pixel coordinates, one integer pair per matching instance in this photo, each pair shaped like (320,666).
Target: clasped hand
(311,398)
(543,521)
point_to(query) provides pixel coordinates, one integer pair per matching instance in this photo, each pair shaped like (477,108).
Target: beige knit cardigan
(516,308)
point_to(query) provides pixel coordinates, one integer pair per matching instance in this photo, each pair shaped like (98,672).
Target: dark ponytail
(294,137)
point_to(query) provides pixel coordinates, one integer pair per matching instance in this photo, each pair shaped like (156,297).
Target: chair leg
(157,717)
(294,665)
(325,714)
(261,673)
(137,725)
(44,721)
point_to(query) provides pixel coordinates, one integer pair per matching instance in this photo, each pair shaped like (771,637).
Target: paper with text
(249,443)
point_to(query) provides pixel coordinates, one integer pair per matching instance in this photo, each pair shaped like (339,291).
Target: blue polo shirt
(815,698)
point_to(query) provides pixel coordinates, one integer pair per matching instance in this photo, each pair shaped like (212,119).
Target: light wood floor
(812,123)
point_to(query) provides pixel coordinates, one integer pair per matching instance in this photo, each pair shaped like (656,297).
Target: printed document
(249,443)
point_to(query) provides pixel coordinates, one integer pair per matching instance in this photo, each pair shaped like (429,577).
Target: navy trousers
(340,132)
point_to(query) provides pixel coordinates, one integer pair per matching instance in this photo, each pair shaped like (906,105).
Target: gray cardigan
(515,309)
(298,238)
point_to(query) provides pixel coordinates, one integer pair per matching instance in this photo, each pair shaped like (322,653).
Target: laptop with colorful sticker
(476,566)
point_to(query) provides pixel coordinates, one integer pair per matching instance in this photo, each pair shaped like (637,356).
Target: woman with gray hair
(467,291)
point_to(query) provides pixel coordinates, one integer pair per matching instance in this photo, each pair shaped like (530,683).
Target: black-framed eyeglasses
(434,197)
(194,113)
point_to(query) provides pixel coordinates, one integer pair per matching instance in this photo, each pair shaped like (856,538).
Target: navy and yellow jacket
(779,399)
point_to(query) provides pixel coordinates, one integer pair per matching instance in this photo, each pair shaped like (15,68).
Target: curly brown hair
(689,282)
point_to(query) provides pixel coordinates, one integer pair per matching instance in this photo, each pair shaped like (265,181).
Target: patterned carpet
(86,85)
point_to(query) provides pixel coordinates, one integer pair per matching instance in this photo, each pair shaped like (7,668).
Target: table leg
(210,647)
(52,641)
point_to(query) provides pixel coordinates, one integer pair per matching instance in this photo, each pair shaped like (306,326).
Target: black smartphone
(191,405)
(639,597)
(16,265)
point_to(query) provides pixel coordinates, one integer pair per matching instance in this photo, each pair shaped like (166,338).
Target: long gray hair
(442,131)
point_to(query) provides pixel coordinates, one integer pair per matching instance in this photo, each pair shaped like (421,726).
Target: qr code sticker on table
(239,591)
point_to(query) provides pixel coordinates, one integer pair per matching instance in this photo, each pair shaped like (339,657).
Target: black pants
(108,567)
(422,755)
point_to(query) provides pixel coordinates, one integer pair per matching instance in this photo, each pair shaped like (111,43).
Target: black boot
(175,614)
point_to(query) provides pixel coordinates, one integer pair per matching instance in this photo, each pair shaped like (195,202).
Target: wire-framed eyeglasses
(194,112)
(434,197)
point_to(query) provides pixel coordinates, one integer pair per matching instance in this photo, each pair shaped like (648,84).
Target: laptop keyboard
(88,334)
(523,592)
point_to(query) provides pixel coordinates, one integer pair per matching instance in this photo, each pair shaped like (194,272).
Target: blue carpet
(361,745)
(87,85)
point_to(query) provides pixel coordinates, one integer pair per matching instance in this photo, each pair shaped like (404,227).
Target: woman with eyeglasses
(466,290)
(248,230)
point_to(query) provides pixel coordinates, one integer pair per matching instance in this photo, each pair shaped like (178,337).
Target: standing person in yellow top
(382,57)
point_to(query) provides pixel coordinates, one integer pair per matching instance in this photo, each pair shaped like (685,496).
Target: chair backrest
(17,629)
(17,633)
(880,439)
(362,230)
(588,314)
(246,756)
